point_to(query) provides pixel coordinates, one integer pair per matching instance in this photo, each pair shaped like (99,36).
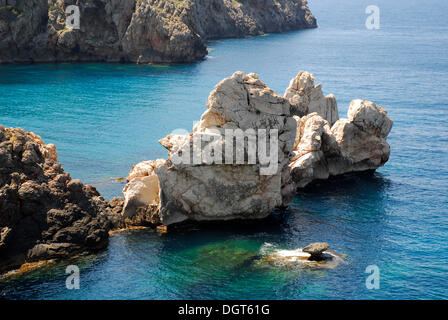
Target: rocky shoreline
(137,31)
(45,214)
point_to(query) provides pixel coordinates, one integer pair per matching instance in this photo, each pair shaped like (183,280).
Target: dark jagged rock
(142,31)
(44,214)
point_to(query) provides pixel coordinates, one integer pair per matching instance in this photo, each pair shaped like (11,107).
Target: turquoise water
(105,118)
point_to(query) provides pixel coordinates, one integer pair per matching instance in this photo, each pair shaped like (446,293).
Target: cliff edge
(138,31)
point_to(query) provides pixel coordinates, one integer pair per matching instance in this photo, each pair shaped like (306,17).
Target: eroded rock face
(137,31)
(229,187)
(198,182)
(44,213)
(354,144)
(305,98)
(312,139)
(141,194)
(369,118)
(159,32)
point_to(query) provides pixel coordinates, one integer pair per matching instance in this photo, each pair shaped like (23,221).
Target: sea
(104,118)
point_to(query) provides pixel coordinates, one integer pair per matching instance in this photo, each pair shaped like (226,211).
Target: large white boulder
(239,189)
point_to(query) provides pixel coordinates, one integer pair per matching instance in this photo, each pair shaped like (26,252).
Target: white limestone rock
(369,118)
(354,144)
(359,151)
(145,168)
(242,189)
(197,182)
(202,191)
(141,194)
(305,98)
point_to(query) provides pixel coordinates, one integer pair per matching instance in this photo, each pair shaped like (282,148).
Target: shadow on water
(218,259)
(350,183)
(63,73)
(363,194)
(350,192)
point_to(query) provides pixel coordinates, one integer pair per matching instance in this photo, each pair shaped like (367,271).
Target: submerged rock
(316,250)
(315,255)
(146,31)
(44,213)
(230,255)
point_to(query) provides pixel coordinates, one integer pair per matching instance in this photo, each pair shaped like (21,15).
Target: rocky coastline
(45,214)
(137,31)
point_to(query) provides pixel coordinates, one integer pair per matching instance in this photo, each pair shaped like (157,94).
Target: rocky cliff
(44,213)
(140,31)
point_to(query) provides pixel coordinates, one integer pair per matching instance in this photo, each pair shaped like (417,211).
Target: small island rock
(316,249)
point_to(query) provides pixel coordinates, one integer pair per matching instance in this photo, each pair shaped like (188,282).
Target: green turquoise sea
(104,118)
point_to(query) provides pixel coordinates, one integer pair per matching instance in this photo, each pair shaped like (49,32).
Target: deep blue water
(104,118)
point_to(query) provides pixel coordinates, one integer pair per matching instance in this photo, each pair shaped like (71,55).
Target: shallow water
(106,117)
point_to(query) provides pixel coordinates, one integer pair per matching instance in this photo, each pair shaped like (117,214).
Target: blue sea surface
(104,118)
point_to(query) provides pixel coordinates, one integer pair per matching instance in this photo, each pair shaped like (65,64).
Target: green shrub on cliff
(16,11)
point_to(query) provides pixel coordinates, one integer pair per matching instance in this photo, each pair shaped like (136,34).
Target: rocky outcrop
(316,250)
(350,145)
(44,213)
(141,194)
(246,156)
(205,179)
(315,255)
(140,31)
(220,171)
(305,98)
